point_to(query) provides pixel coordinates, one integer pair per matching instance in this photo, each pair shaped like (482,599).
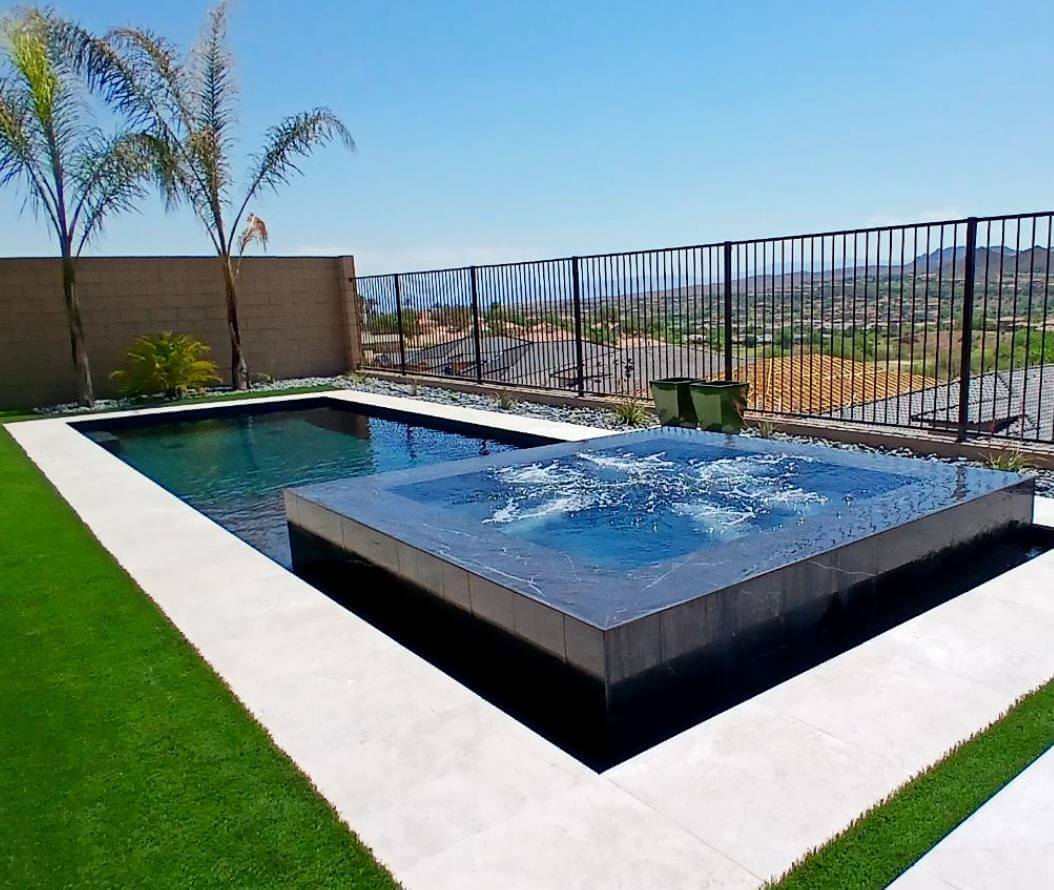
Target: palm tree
(188,104)
(68,170)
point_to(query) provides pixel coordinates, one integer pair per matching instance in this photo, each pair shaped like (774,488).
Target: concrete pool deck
(451,792)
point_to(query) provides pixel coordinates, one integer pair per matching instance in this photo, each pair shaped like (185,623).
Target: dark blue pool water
(645,503)
(233,467)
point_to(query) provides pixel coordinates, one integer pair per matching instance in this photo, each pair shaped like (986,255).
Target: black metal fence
(940,326)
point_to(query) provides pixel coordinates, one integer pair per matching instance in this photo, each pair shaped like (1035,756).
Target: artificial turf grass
(893,835)
(126,761)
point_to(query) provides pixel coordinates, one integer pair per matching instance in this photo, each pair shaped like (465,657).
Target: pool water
(233,467)
(646,503)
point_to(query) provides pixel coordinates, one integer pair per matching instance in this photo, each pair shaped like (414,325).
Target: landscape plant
(188,105)
(1009,460)
(69,172)
(631,412)
(167,363)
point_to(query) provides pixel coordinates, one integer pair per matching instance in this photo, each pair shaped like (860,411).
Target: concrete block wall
(296,317)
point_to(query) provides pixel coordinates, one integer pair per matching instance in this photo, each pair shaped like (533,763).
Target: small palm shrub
(166,363)
(631,412)
(504,401)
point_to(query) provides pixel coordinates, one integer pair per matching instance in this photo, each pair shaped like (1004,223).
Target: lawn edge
(846,837)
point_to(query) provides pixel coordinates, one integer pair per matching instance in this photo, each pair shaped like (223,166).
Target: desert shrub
(1009,460)
(167,363)
(631,412)
(766,429)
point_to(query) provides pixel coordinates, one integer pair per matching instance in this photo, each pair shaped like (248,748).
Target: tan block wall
(293,313)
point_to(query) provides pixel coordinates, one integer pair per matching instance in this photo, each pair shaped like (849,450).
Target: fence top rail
(831,233)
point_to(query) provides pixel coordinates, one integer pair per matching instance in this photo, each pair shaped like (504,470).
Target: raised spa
(634,555)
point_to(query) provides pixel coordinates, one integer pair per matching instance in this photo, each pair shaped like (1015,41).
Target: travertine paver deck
(1008,843)
(451,792)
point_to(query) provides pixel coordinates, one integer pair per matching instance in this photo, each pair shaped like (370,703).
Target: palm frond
(110,176)
(19,159)
(24,151)
(286,144)
(213,98)
(255,230)
(141,76)
(137,72)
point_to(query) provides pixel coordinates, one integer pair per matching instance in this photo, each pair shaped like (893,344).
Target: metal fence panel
(940,326)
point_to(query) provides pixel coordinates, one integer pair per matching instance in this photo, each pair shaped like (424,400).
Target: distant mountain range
(1035,258)
(989,261)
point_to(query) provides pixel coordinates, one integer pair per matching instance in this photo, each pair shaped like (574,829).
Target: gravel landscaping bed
(607,420)
(594,417)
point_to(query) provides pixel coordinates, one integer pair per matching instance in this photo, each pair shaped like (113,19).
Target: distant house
(616,370)
(1019,402)
(552,363)
(818,383)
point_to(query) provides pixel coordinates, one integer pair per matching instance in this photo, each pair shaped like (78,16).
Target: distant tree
(69,172)
(388,323)
(188,105)
(455,316)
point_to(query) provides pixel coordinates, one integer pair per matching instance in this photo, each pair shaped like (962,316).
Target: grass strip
(127,761)
(893,835)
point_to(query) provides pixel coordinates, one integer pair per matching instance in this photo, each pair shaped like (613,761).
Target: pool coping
(449,791)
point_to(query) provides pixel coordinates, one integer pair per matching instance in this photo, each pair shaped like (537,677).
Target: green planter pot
(673,401)
(719,405)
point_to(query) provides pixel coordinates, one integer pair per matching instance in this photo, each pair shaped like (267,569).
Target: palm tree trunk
(239,372)
(85,390)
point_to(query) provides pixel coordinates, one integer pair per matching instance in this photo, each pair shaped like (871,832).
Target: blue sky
(498,131)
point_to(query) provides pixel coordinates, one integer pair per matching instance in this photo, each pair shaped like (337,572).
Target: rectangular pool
(631,555)
(232,463)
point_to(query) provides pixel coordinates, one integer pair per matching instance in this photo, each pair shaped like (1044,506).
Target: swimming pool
(233,463)
(446,500)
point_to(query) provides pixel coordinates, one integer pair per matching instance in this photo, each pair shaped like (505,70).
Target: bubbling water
(723,498)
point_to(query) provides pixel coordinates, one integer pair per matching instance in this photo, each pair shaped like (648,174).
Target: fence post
(967,328)
(477,340)
(728,310)
(576,284)
(399,325)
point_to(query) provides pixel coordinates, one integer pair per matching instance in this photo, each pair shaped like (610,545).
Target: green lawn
(896,833)
(126,761)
